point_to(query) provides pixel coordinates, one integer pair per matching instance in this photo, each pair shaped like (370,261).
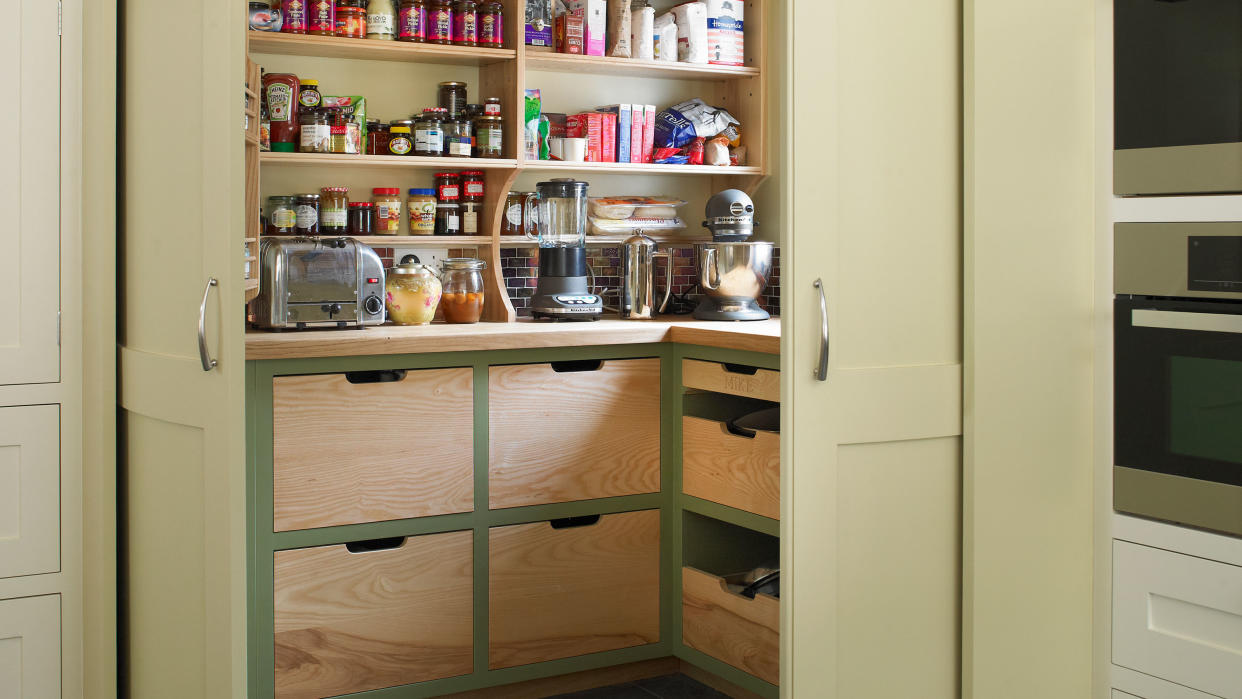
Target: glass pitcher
(562,214)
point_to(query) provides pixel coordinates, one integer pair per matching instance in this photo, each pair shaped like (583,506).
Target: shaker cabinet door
(29,490)
(30,647)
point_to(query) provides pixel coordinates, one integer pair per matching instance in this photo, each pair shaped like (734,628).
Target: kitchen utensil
(637,293)
(562,292)
(318,282)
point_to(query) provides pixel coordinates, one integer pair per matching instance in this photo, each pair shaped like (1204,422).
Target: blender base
(565,298)
(730,309)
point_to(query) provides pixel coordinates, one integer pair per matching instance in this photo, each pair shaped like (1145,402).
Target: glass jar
(322,18)
(306,209)
(422,208)
(452,97)
(361,219)
(491,106)
(381,20)
(448,219)
(429,134)
(309,96)
(457,138)
(377,138)
(465,23)
(492,25)
(399,142)
(472,186)
(387,210)
(282,215)
(412,292)
(489,136)
(439,22)
(519,213)
(293,16)
(338,127)
(315,133)
(470,218)
(462,298)
(351,19)
(412,21)
(448,187)
(333,210)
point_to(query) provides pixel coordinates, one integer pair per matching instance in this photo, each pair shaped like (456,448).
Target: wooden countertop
(753,336)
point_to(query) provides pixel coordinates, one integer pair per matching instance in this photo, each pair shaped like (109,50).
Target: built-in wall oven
(1178,96)
(1178,373)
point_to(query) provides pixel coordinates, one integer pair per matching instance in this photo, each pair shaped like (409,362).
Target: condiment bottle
(412,21)
(351,19)
(462,300)
(293,16)
(381,20)
(422,208)
(400,143)
(322,18)
(309,96)
(333,210)
(492,25)
(465,24)
(280,92)
(429,134)
(439,22)
(387,210)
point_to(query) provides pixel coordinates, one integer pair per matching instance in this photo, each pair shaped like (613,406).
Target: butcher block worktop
(752,336)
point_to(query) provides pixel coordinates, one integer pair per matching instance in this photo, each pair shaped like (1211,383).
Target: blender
(562,292)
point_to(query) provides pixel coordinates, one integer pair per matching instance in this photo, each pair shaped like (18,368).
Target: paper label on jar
(389,216)
(413,22)
(307,217)
(442,26)
(474,189)
(380,24)
(316,138)
(285,218)
(449,193)
(454,222)
(399,145)
(429,140)
(333,218)
(470,223)
(489,138)
(459,146)
(514,214)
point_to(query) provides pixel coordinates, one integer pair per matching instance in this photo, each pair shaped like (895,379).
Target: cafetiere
(563,292)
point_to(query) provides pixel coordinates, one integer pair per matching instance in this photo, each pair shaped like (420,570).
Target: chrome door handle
(821,371)
(203,354)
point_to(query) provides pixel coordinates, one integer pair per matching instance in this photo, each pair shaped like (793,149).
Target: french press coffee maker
(563,292)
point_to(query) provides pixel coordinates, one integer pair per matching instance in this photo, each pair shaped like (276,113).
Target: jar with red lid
(412,21)
(448,187)
(439,22)
(472,186)
(465,23)
(293,16)
(387,210)
(492,25)
(361,218)
(351,19)
(321,20)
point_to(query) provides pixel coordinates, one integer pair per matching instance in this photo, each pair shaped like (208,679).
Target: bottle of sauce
(280,90)
(322,18)
(293,13)
(381,20)
(439,22)
(351,19)
(412,21)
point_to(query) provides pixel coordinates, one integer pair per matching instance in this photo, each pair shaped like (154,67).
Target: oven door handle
(1181,320)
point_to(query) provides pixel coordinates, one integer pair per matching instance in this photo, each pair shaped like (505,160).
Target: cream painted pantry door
(871,520)
(182,428)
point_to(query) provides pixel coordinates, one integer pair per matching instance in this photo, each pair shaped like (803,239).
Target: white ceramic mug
(574,149)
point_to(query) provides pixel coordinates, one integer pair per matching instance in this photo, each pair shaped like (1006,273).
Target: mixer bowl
(731,277)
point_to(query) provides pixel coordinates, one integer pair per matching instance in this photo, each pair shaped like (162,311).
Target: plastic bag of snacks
(531,124)
(680,124)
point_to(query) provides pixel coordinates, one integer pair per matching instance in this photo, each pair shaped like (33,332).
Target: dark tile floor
(666,687)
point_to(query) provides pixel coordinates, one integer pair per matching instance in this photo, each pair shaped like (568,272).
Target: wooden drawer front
(1178,617)
(557,593)
(349,622)
(558,436)
(730,469)
(764,384)
(30,647)
(347,453)
(29,490)
(744,633)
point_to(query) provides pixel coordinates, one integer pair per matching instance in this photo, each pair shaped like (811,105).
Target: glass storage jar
(457,138)
(429,134)
(448,187)
(439,22)
(422,208)
(315,133)
(412,292)
(351,19)
(452,97)
(465,23)
(492,25)
(309,96)
(307,213)
(381,20)
(462,298)
(293,16)
(472,186)
(470,218)
(387,210)
(282,215)
(489,136)
(491,106)
(412,21)
(377,138)
(333,210)
(399,142)
(448,219)
(322,18)
(361,218)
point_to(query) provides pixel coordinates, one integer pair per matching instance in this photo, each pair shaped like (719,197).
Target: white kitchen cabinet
(30,647)
(1118,694)
(29,490)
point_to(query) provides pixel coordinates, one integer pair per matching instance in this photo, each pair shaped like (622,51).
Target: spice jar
(377,138)
(387,210)
(465,23)
(333,210)
(412,292)
(453,97)
(439,22)
(448,219)
(422,208)
(462,298)
(429,134)
(361,220)
(412,21)
(351,19)
(488,136)
(322,19)
(381,20)
(472,186)
(448,187)
(307,211)
(457,137)
(316,132)
(399,142)
(282,215)
(492,25)
(293,16)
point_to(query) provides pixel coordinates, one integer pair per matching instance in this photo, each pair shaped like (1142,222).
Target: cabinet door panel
(30,647)
(29,490)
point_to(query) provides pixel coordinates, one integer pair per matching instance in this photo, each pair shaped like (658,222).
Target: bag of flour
(642,37)
(664,37)
(691,32)
(619,29)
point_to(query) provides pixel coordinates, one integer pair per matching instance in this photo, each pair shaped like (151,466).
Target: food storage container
(463,289)
(412,292)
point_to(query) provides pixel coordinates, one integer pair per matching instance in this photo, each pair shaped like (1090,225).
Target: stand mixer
(562,291)
(733,271)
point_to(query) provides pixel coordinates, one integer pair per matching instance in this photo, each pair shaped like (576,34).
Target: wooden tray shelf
(630,67)
(384,161)
(373,49)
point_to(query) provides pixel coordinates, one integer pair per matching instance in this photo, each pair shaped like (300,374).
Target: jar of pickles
(492,25)
(439,22)
(412,21)
(333,210)
(465,23)
(462,298)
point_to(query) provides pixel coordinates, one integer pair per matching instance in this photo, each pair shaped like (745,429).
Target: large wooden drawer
(734,470)
(559,590)
(1178,618)
(394,445)
(748,382)
(350,621)
(573,431)
(744,633)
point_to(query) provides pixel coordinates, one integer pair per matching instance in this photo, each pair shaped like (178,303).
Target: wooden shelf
(573,63)
(514,241)
(392,161)
(639,168)
(374,49)
(430,241)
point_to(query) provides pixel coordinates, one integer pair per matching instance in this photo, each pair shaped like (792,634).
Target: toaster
(318,283)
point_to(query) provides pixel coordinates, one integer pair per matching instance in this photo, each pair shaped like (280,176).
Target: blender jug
(562,216)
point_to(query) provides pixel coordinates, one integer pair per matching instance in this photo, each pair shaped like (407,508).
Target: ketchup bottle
(280,91)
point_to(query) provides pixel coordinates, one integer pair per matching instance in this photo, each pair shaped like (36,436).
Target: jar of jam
(381,20)
(472,187)
(322,19)
(491,106)
(448,187)
(361,220)
(429,134)
(453,97)
(489,136)
(439,22)
(387,210)
(412,21)
(333,210)
(422,208)
(465,23)
(316,132)
(492,25)
(282,215)
(457,137)
(462,299)
(293,16)
(306,210)
(400,142)
(351,19)
(448,219)
(377,138)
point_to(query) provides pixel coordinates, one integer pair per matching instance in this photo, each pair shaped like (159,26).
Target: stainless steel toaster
(318,283)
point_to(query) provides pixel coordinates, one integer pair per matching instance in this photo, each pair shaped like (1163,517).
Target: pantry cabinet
(30,641)
(29,490)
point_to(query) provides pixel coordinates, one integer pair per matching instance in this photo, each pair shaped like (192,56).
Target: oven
(1178,373)
(1177,96)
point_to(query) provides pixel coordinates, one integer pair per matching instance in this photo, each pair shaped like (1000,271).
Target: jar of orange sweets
(462,301)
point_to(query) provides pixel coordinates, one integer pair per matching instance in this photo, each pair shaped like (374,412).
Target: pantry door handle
(821,371)
(204,355)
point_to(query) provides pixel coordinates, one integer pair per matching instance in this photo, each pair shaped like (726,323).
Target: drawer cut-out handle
(375,376)
(734,429)
(741,369)
(575,365)
(752,589)
(369,545)
(571,522)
